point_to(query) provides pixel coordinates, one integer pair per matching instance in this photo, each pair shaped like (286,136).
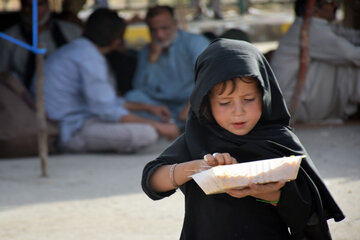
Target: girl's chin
(239,132)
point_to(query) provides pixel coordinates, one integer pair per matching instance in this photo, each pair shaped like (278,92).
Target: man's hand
(168,130)
(154,52)
(160,111)
(184,113)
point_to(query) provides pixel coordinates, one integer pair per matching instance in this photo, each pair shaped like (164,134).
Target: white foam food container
(220,178)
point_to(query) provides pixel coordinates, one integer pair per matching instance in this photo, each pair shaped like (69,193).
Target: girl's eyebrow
(227,96)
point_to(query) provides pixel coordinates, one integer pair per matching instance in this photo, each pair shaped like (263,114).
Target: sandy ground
(98,196)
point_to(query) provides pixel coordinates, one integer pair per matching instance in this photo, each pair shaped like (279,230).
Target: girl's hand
(219,159)
(268,191)
(213,160)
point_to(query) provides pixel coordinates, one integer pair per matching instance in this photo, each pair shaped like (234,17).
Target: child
(238,112)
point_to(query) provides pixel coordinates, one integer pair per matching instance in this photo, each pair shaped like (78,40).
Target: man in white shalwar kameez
(332,86)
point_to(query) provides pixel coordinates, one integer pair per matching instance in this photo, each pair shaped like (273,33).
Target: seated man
(200,9)
(326,96)
(53,33)
(165,70)
(79,95)
(70,11)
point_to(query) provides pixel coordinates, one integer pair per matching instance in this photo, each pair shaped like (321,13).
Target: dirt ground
(98,196)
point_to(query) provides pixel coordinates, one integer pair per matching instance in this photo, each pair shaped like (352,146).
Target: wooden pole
(304,56)
(351,14)
(181,14)
(40,114)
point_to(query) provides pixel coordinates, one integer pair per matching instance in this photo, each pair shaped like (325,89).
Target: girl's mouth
(238,124)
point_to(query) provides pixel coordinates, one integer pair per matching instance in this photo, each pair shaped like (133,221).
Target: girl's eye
(249,99)
(223,103)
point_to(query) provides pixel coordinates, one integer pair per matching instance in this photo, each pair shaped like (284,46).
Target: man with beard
(79,96)
(165,68)
(53,33)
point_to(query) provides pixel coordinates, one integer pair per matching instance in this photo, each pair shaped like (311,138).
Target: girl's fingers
(256,190)
(207,157)
(210,160)
(227,159)
(268,187)
(214,159)
(219,159)
(239,193)
(281,183)
(235,193)
(223,158)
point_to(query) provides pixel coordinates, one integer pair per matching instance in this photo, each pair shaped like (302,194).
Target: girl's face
(237,109)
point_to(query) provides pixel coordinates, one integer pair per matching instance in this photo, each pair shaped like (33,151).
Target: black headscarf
(224,60)
(271,137)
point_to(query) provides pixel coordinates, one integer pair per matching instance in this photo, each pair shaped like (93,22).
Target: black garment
(123,66)
(305,204)
(8,19)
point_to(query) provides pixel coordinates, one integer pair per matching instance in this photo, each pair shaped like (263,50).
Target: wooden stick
(40,114)
(304,56)
(181,14)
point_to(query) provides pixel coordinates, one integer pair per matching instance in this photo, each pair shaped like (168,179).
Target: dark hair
(157,10)
(205,108)
(24,2)
(28,3)
(300,6)
(104,26)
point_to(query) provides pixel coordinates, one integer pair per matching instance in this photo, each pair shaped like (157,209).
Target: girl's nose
(238,108)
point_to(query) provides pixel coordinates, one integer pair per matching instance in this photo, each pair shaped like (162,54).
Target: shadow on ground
(334,150)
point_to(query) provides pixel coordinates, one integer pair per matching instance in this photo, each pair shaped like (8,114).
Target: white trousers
(100,136)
